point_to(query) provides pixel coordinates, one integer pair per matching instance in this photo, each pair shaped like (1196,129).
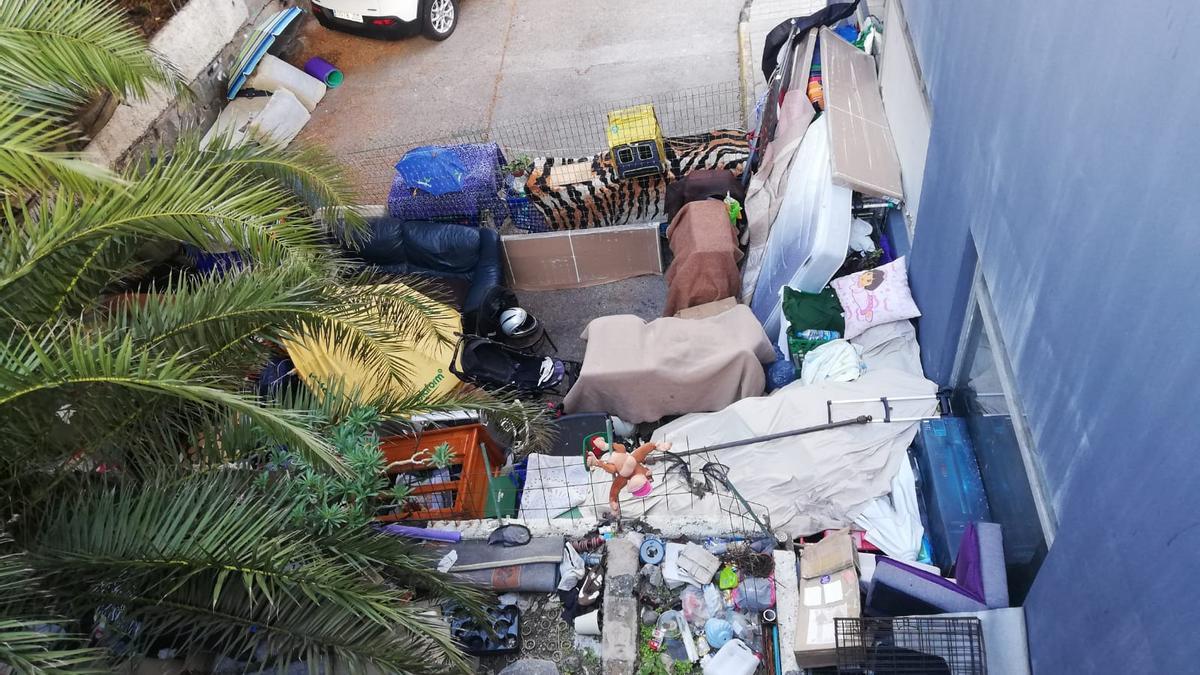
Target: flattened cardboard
(863,152)
(707,309)
(828,590)
(822,601)
(549,261)
(832,554)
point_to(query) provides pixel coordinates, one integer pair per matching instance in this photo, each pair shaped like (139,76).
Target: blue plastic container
(951,485)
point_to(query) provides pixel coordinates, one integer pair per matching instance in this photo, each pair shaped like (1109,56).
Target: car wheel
(441,18)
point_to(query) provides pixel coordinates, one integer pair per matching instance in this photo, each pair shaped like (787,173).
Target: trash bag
(695,611)
(780,373)
(434,169)
(754,594)
(713,602)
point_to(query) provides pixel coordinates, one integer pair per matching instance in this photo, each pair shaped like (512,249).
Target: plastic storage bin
(951,485)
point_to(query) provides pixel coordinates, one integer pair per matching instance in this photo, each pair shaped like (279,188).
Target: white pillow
(875,296)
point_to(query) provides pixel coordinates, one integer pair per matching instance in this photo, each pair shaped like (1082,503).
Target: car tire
(439,19)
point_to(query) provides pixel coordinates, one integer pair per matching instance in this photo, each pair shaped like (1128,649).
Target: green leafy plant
(442,456)
(519,165)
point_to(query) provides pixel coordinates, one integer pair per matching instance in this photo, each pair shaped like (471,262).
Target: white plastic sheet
(810,236)
(893,521)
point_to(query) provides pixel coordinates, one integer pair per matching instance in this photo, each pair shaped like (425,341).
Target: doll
(626,468)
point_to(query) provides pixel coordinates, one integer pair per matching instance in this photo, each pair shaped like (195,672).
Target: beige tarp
(642,371)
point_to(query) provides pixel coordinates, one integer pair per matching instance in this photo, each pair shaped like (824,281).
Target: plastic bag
(754,594)
(695,611)
(713,602)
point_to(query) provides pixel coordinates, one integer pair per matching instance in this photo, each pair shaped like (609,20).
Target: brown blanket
(642,371)
(706,255)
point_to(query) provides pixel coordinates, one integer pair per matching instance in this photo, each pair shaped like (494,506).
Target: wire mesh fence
(572,134)
(453,474)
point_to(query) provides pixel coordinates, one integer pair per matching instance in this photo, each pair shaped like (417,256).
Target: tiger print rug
(585,192)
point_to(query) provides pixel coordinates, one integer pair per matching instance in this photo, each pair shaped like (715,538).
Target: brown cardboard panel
(707,309)
(863,153)
(575,259)
(569,174)
(833,553)
(822,601)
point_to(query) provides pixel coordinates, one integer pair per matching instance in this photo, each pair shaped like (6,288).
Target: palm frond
(71,366)
(179,198)
(309,172)
(54,54)
(30,158)
(32,639)
(210,562)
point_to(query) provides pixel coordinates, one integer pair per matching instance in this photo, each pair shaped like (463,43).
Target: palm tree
(126,423)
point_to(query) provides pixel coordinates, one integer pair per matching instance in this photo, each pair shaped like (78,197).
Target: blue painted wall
(1066,142)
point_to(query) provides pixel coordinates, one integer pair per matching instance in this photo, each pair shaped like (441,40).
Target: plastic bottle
(812,334)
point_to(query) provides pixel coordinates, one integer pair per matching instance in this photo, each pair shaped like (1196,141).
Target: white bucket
(273,74)
(588,624)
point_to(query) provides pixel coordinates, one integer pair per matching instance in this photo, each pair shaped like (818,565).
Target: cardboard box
(549,261)
(828,590)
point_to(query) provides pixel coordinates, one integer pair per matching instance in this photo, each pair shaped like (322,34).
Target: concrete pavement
(512,59)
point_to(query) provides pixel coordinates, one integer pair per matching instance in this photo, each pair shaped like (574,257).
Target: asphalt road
(511,59)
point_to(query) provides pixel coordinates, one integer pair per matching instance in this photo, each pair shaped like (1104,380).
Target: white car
(389,18)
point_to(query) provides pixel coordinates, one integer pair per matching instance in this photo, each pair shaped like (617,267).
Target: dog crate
(910,645)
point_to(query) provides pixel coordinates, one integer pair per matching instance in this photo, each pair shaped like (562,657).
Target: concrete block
(190,41)
(787,607)
(619,645)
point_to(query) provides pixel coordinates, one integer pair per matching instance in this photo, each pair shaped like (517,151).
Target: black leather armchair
(466,257)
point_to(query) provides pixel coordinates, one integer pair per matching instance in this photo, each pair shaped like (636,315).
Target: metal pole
(861,419)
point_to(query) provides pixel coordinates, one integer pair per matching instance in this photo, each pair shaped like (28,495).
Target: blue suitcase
(951,485)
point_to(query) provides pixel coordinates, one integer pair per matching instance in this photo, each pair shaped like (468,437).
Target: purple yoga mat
(323,71)
(449,536)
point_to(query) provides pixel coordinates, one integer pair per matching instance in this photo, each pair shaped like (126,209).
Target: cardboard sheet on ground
(319,361)
(580,258)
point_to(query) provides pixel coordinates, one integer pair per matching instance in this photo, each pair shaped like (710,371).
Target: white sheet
(810,236)
(806,483)
(553,485)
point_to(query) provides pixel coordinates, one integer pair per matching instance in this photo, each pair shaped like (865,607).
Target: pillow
(875,296)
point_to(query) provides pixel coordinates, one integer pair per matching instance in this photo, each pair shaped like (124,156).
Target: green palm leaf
(208,562)
(30,158)
(64,364)
(32,640)
(56,53)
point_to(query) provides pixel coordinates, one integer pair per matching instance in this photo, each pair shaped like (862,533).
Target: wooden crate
(468,491)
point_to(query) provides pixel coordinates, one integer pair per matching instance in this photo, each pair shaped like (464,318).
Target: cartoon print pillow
(875,296)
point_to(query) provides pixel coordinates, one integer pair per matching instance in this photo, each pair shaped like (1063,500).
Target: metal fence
(572,133)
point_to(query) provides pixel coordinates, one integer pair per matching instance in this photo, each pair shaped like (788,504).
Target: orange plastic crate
(471,487)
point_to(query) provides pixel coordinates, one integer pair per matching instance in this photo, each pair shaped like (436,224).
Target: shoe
(589,590)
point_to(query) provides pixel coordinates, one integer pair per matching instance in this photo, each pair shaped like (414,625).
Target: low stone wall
(201,41)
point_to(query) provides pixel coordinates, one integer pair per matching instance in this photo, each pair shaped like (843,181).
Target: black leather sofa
(464,257)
